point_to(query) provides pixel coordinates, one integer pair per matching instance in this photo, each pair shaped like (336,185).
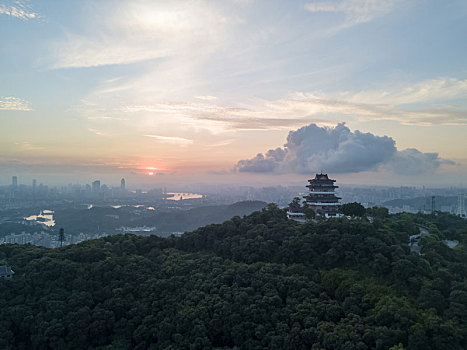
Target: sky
(234,91)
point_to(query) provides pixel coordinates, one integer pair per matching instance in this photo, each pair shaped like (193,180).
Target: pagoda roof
(321,178)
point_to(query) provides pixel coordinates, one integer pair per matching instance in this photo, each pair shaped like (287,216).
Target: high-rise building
(460,206)
(34,183)
(122,184)
(14,181)
(96,186)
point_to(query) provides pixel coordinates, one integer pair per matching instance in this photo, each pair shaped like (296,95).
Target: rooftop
(6,270)
(322,180)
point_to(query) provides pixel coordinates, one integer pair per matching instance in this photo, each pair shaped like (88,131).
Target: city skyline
(240,91)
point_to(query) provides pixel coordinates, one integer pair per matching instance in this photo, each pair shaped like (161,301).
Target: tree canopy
(258,282)
(353,209)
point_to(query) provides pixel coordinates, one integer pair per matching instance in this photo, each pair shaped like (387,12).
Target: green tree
(353,209)
(378,212)
(254,282)
(295,204)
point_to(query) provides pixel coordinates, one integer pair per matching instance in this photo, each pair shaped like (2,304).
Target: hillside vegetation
(98,219)
(258,282)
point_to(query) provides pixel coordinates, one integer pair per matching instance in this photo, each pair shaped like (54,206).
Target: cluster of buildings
(97,189)
(94,187)
(48,240)
(37,238)
(19,195)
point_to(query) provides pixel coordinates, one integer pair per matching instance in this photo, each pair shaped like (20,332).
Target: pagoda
(322,197)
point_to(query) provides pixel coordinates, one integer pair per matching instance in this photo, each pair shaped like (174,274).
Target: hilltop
(256,282)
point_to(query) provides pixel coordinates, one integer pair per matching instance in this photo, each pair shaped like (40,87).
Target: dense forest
(107,219)
(257,282)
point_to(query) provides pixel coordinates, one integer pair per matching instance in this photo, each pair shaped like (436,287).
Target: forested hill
(261,282)
(108,219)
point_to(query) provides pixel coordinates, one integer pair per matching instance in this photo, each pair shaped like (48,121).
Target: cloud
(18,9)
(264,163)
(8,103)
(221,144)
(135,31)
(27,146)
(355,11)
(398,103)
(218,117)
(428,90)
(143,109)
(412,162)
(339,150)
(97,132)
(206,98)
(171,139)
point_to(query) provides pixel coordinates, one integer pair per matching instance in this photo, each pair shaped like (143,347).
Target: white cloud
(218,117)
(97,132)
(339,150)
(221,144)
(134,31)
(27,146)
(337,105)
(171,139)
(424,91)
(355,11)
(410,104)
(399,103)
(412,162)
(206,98)
(18,9)
(8,103)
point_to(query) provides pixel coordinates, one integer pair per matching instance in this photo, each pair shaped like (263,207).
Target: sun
(150,170)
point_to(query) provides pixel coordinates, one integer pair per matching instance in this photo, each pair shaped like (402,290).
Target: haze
(239,91)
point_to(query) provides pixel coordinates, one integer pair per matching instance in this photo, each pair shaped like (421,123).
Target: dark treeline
(258,282)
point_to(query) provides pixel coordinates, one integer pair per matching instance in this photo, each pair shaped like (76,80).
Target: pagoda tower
(322,197)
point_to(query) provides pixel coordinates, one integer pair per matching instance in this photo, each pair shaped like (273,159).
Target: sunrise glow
(201,88)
